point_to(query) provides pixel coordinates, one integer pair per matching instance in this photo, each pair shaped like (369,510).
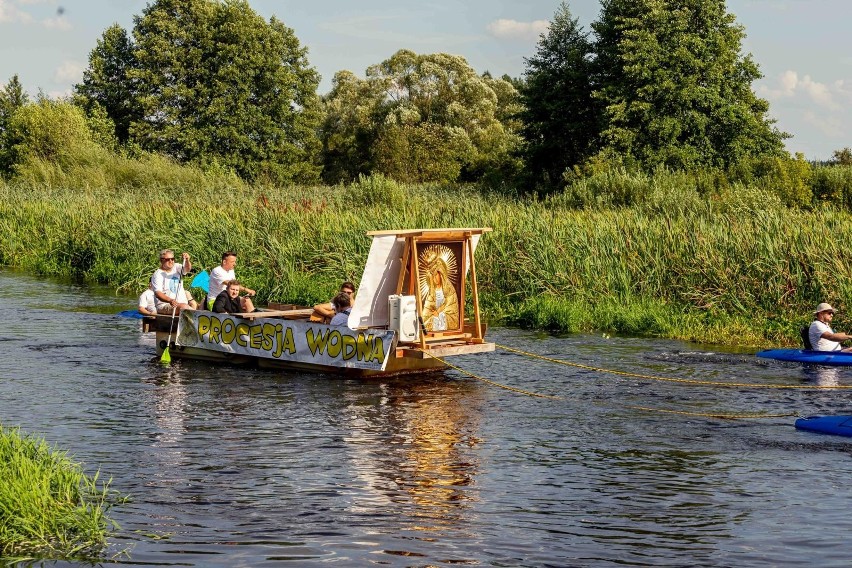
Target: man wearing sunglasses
(822,337)
(167,283)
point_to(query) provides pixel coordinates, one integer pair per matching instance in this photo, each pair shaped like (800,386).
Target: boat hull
(835,358)
(837,425)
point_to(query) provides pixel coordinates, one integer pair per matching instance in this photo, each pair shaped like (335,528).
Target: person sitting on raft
(822,337)
(221,275)
(167,283)
(342,307)
(148,302)
(229,301)
(325,312)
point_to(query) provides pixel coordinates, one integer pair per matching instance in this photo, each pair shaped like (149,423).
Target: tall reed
(729,266)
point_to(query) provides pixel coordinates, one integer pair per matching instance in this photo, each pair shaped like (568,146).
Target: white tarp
(284,340)
(380,279)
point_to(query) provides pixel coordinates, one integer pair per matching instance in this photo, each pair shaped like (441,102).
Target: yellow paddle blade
(166,358)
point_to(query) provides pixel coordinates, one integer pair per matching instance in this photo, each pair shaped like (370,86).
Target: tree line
(655,83)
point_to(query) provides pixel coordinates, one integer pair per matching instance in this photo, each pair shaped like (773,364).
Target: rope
(714,414)
(675,380)
(484,380)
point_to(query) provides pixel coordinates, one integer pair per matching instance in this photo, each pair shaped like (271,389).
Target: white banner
(285,340)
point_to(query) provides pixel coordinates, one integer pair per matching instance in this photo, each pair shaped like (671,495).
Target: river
(238,467)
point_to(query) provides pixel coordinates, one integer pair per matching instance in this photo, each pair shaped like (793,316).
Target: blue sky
(802,46)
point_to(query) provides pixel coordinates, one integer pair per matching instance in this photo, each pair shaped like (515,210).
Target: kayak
(839,425)
(807,356)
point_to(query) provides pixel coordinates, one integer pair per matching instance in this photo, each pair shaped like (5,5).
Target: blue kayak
(808,356)
(839,425)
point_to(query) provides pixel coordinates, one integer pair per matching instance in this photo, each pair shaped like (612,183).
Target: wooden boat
(409,315)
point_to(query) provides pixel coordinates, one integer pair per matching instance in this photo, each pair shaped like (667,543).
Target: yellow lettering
(349,347)
(215,328)
(268,337)
(228,331)
(334,343)
(364,347)
(203,325)
(242,333)
(316,343)
(256,336)
(289,344)
(378,353)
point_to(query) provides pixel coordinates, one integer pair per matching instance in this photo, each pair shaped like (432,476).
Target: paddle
(166,357)
(201,280)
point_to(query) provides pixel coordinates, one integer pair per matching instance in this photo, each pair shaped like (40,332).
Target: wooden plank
(448,350)
(286,314)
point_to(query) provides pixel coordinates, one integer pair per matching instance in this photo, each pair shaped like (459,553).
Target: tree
(218,85)
(12,97)
(561,119)
(842,157)
(107,83)
(417,118)
(675,87)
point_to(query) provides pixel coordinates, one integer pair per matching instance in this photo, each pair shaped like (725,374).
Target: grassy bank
(733,266)
(49,508)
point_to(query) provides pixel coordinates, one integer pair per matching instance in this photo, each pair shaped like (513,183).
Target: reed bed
(49,508)
(730,266)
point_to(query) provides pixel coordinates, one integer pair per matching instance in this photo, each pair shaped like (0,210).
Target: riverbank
(49,508)
(736,267)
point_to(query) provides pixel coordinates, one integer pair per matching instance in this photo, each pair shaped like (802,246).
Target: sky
(801,46)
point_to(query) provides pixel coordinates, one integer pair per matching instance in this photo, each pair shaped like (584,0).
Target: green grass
(49,508)
(729,265)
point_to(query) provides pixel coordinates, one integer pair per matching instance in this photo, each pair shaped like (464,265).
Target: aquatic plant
(49,508)
(693,259)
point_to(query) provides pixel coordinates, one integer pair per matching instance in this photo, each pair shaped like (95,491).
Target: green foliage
(561,119)
(843,157)
(787,178)
(676,90)
(833,185)
(219,86)
(49,133)
(419,118)
(49,508)
(12,97)
(107,89)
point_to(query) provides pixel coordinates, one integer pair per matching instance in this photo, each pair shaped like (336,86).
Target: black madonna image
(439,279)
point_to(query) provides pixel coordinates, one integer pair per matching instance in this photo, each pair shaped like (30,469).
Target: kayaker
(822,337)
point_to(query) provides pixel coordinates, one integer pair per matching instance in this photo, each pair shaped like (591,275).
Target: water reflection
(413,448)
(822,376)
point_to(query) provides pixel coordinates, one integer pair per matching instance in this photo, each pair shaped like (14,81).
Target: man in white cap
(822,337)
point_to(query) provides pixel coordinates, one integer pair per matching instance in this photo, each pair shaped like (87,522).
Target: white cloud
(789,85)
(828,126)
(56,23)
(10,14)
(513,29)
(69,72)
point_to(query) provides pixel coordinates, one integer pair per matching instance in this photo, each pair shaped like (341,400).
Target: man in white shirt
(822,337)
(148,302)
(225,273)
(167,283)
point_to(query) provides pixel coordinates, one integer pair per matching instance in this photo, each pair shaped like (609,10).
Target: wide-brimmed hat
(823,307)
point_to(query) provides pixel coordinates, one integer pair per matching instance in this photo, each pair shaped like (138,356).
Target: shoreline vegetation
(670,255)
(49,508)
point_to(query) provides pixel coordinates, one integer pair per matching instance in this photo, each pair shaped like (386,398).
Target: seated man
(324,312)
(342,307)
(822,337)
(221,275)
(229,301)
(167,283)
(148,302)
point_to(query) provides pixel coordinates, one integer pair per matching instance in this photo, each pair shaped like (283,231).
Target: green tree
(218,85)
(418,118)
(12,97)
(107,83)
(842,157)
(561,119)
(675,86)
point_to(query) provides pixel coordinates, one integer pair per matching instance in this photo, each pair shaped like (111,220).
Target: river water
(238,467)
